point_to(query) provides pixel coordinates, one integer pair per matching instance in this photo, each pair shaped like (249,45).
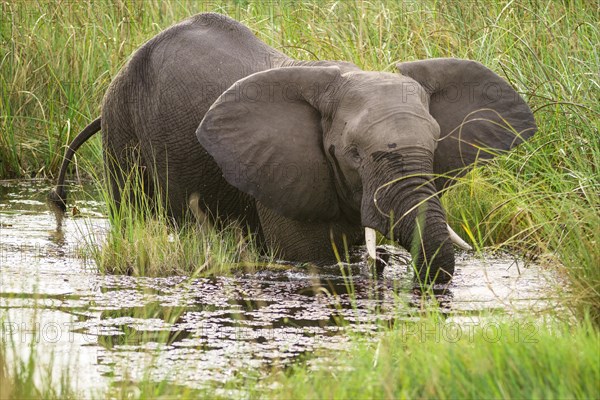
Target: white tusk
(457,240)
(370,239)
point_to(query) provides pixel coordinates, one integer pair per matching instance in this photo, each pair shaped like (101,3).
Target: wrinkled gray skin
(305,152)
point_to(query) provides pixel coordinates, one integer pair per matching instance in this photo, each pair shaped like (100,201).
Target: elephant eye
(354,155)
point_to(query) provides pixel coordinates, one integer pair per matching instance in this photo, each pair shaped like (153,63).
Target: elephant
(310,156)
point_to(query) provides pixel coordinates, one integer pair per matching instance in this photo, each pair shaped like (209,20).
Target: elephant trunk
(399,201)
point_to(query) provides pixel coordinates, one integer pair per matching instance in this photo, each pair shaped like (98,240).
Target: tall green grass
(57,59)
(429,359)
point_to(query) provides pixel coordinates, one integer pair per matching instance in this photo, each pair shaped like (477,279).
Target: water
(210,331)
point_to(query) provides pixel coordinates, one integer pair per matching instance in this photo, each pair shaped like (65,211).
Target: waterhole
(206,332)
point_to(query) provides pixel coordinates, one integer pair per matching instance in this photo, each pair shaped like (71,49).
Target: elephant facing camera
(308,155)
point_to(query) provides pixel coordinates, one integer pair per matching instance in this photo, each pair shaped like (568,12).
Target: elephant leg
(114,175)
(130,182)
(306,241)
(128,176)
(197,188)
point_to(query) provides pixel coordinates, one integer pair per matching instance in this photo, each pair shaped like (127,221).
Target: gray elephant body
(155,105)
(158,99)
(303,153)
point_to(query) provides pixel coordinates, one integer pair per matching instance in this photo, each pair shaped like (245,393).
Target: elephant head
(373,148)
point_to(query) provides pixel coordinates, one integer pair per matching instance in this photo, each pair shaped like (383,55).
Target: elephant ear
(265,134)
(480,115)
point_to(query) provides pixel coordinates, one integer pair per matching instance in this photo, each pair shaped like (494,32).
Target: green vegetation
(429,360)
(57,59)
(152,247)
(143,240)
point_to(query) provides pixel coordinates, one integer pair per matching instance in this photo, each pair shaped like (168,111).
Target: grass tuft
(144,240)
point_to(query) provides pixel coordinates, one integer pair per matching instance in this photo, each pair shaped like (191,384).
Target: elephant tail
(58,196)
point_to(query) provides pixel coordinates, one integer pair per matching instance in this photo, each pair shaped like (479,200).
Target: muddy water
(208,331)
